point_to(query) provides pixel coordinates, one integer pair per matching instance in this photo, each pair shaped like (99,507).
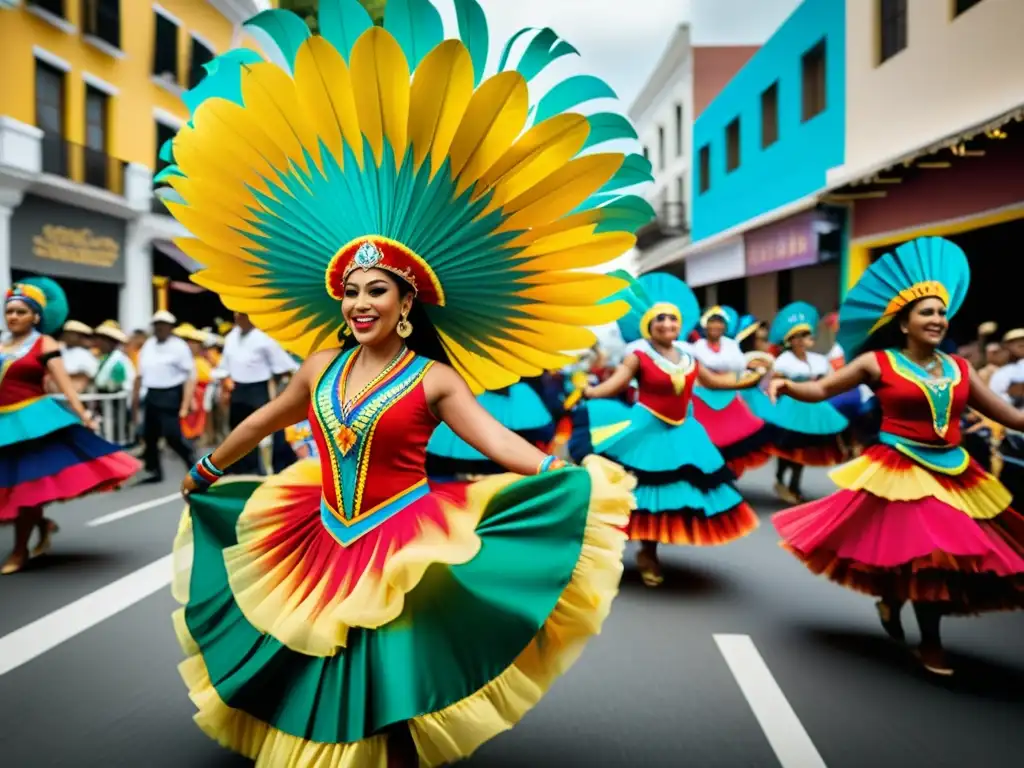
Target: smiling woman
(380,187)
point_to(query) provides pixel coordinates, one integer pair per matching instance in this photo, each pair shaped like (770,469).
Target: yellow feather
(510,362)
(538,152)
(270,98)
(594,314)
(209,256)
(201,153)
(561,191)
(234,130)
(480,373)
(218,234)
(557,342)
(324,86)
(494,119)
(573,221)
(559,241)
(435,111)
(541,360)
(380,81)
(225,285)
(557,336)
(601,249)
(576,293)
(220,208)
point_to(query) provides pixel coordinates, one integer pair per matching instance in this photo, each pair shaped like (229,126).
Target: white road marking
(24,644)
(129,511)
(783,729)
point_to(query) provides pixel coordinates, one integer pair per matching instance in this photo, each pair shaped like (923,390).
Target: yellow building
(91,89)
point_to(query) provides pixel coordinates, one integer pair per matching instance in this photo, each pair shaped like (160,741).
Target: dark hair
(747,345)
(424,340)
(890,335)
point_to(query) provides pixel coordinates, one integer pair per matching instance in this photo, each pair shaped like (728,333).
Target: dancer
(518,408)
(193,425)
(684,493)
(343,612)
(48,452)
(804,434)
(915,518)
(736,432)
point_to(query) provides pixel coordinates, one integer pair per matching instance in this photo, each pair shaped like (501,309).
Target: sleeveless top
(372,444)
(22,373)
(921,413)
(665,387)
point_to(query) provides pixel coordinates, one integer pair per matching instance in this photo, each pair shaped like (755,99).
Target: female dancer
(47,452)
(915,518)
(193,426)
(684,493)
(518,408)
(736,432)
(343,612)
(803,434)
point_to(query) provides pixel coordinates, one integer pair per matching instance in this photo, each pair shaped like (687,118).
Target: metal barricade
(113,412)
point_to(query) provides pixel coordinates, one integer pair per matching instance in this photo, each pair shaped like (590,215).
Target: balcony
(85,165)
(670,221)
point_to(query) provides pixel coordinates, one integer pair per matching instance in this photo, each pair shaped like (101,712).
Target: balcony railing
(82,164)
(670,221)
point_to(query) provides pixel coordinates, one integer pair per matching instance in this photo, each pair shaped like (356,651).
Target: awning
(169,249)
(866,177)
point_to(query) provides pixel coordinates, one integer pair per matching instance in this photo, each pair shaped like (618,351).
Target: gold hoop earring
(404,328)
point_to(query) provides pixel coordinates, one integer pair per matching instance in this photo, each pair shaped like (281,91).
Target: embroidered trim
(931,387)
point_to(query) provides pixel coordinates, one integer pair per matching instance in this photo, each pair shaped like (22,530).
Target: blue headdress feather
(55,313)
(792,318)
(654,288)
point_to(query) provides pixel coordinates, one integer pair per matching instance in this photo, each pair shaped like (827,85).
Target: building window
(679,130)
(50,117)
(647,154)
(165,49)
(661,148)
(770,115)
(960,6)
(56,7)
(892,28)
(705,168)
(813,69)
(102,19)
(200,56)
(732,145)
(678,217)
(96,160)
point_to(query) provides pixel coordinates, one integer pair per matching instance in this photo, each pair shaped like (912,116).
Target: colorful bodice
(21,373)
(665,387)
(921,413)
(372,444)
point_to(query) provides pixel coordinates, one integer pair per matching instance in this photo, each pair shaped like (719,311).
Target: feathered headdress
(727,315)
(745,326)
(922,268)
(393,148)
(651,295)
(798,317)
(45,297)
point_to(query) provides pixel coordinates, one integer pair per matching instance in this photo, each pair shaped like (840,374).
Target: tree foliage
(307,10)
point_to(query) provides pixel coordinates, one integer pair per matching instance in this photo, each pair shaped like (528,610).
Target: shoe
(46,539)
(934,661)
(890,621)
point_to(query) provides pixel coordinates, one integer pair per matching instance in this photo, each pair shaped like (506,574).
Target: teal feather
(570,93)
(544,49)
(279,33)
(608,126)
(166,152)
(925,259)
(167,173)
(475,35)
(55,313)
(651,289)
(627,213)
(417,27)
(507,50)
(341,22)
(223,81)
(169,195)
(790,316)
(635,169)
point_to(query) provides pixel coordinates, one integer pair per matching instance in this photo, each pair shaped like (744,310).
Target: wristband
(205,473)
(549,464)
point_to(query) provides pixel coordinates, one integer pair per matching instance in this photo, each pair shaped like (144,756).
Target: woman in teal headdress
(915,518)
(803,434)
(378,181)
(684,488)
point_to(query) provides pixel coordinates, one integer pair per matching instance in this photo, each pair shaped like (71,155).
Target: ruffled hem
(33,419)
(808,450)
(105,473)
(455,732)
(750,461)
(693,528)
(732,425)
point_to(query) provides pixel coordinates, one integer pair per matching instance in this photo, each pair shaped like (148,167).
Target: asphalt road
(740,659)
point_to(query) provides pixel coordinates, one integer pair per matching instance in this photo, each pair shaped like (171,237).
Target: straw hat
(111,330)
(163,316)
(1014,335)
(73,326)
(189,332)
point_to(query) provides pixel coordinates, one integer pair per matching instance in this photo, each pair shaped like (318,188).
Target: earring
(404,328)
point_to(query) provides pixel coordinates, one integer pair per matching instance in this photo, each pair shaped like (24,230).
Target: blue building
(762,151)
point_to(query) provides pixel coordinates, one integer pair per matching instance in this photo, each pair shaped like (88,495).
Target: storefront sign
(787,244)
(716,265)
(51,238)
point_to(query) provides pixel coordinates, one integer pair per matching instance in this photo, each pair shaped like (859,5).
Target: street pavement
(742,658)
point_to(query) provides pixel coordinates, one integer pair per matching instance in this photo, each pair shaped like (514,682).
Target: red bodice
(22,379)
(663,392)
(907,411)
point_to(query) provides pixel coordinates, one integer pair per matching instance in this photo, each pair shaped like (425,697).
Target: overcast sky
(621,40)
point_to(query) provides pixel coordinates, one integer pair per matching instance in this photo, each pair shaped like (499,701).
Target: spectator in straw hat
(80,364)
(116,375)
(1002,380)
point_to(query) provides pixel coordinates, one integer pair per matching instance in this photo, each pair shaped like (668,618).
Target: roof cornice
(238,11)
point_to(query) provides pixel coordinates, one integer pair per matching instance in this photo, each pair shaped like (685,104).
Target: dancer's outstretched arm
(863,370)
(618,381)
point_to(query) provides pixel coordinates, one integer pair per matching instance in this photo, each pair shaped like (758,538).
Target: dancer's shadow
(76,562)
(681,581)
(975,676)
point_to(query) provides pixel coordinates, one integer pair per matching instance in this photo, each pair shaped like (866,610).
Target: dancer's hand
(187,486)
(776,388)
(89,421)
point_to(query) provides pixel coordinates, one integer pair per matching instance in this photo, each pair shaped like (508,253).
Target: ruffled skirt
(741,437)
(451,619)
(684,491)
(898,530)
(809,434)
(46,455)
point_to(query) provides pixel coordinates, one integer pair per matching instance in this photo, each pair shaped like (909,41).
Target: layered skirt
(451,619)
(897,530)
(46,455)
(810,434)
(741,437)
(684,493)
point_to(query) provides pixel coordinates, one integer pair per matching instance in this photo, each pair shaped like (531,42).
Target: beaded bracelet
(549,464)
(205,473)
